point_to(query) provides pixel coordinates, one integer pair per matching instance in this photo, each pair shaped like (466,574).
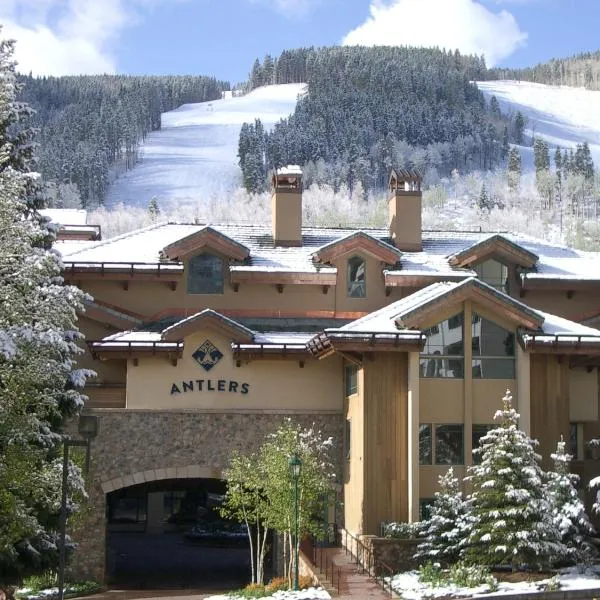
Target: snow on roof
(144,246)
(65,216)
(290,170)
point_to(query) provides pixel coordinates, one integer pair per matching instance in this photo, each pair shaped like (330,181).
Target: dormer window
(493,273)
(356,271)
(205,274)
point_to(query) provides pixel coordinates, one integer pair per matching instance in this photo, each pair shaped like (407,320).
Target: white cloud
(463,24)
(68,37)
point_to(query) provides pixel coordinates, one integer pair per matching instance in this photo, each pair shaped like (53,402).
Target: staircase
(346,571)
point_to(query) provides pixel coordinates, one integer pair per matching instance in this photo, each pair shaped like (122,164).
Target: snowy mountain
(194,156)
(563,116)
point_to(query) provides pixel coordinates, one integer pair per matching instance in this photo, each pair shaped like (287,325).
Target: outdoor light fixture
(295,467)
(88,430)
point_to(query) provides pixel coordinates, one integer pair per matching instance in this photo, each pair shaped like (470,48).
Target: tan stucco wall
(107,371)
(487,397)
(429,478)
(275,385)
(441,401)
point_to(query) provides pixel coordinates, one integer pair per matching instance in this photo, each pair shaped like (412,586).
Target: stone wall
(137,446)
(395,553)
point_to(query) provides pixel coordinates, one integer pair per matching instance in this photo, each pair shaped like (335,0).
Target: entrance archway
(164,530)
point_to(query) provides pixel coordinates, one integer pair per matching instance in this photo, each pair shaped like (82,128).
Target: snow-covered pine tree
(445,526)
(39,388)
(511,522)
(568,510)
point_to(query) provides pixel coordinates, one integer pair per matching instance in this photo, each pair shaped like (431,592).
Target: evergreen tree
(511,523)
(519,128)
(514,169)
(447,521)
(39,388)
(505,143)
(541,155)
(484,200)
(567,509)
(153,209)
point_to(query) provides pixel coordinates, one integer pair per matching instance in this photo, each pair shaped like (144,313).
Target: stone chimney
(286,206)
(404,210)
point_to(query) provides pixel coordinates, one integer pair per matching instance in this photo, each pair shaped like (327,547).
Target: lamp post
(295,467)
(88,429)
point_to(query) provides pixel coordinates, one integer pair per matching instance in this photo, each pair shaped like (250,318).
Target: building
(400,343)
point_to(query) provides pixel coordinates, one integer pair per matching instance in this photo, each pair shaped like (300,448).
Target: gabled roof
(359,240)
(205,237)
(494,246)
(211,319)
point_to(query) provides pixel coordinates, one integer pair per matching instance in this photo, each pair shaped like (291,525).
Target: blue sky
(223,37)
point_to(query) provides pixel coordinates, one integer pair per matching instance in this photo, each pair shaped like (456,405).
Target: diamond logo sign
(207,355)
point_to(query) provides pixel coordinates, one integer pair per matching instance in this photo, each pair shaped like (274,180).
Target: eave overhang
(263,351)
(535,281)
(567,343)
(121,271)
(358,242)
(331,341)
(496,246)
(111,315)
(205,237)
(115,349)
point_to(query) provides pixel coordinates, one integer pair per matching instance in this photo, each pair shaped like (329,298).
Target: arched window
(205,274)
(357,284)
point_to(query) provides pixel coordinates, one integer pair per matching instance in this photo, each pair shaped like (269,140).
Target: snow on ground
(308,594)
(410,588)
(564,116)
(194,156)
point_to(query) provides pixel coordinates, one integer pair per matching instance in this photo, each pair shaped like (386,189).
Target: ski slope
(563,116)
(193,158)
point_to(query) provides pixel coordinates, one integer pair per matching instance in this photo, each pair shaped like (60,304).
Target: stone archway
(189,472)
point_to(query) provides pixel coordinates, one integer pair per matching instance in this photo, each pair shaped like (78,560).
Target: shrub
(403,531)
(276,584)
(432,574)
(252,590)
(36,583)
(471,576)
(304,582)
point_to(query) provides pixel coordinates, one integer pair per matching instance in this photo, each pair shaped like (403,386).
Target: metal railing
(366,562)
(323,560)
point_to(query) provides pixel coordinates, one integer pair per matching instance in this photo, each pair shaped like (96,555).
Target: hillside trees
(367,108)
(91,126)
(39,387)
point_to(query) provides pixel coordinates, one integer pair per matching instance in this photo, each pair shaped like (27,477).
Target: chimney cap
(405,175)
(289,170)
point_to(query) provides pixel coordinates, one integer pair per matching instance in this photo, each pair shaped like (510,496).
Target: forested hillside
(582,70)
(92,126)
(370,108)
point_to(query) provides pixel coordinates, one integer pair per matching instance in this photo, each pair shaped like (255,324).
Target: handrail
(366,562)
(323,560)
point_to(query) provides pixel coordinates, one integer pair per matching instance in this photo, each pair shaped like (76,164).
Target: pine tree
(484,200)
(514,169)
(443,530)
(567,509)
(511,519)
(153,209)
(519,128)
(39,388)
(505,144)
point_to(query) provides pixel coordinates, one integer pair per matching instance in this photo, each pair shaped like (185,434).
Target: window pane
(489,339)
(127,506)
(351,379)
(356,277)
(494,368)
(477,433)
(449,445)
(572,446)
(205,274)
(434,366)
(425,445)
(493,273)
(425,505)
(445,338)
(347,434)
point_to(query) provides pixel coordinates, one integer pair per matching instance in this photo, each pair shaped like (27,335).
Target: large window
(205,274)
(493,350)
(357,285)
(128,505)
(441,444)
(443,353)
(477,433)
(493,273)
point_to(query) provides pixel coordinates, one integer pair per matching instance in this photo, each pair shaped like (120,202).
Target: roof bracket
(174,361)
(325,289)
(279,287)
(236,286)
(125,285)
(388,290)
(301,364)
(136,361)
(570,294)
(173,285)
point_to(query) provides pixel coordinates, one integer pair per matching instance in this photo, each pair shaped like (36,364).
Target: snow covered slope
(193,157)
(564,116)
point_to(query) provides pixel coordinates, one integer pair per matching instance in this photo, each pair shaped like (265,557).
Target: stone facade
(394,552)
(134,447)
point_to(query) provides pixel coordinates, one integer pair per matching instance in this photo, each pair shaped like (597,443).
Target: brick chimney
(404,210)
(286,206)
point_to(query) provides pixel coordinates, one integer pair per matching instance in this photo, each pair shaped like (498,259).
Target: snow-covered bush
(446,525)
(403,531)
(567,508)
